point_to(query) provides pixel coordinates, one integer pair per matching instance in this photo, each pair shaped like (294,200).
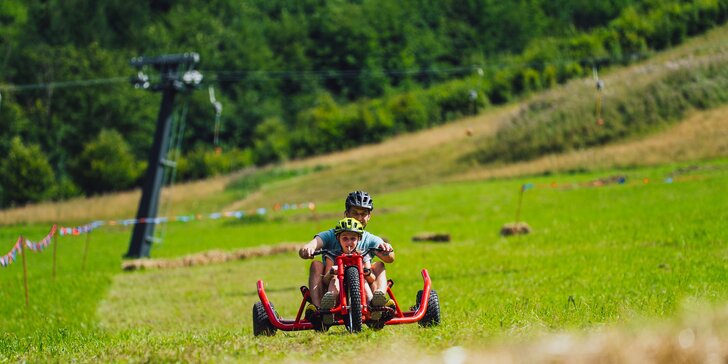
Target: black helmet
(359,199)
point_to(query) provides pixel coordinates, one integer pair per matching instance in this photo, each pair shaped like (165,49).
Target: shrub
(378,121)
(105,164)
(25,174)
(271,143)
(203,162)
(501,91)
(409,112)
(454,99)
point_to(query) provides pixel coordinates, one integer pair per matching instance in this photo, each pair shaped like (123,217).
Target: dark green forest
(294,78)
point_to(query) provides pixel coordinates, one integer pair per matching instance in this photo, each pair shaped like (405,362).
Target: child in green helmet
(348,232)
(359,205)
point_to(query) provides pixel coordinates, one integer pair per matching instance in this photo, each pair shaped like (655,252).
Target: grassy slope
(618,260)
(620,252)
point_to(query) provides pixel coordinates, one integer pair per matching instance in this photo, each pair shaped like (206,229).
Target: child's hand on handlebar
(307,252)
(385,248)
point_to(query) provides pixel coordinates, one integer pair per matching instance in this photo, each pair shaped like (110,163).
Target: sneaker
(310,311)
(375,315)
(328,301)
(378,300)
(389,314)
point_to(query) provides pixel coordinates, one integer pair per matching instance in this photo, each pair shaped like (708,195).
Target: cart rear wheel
(261,322)
(432,315)
(353,290)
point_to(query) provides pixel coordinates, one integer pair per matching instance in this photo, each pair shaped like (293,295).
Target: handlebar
(319,252)
(333,253)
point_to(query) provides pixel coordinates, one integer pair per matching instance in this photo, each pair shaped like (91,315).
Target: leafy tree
(343,41)
(332,74)
(62,119)
(106,164)
(271,141)
(25,174)
(13,122)
(112,23)
(13,16)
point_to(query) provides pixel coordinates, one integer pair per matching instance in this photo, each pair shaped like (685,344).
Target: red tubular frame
(298,323)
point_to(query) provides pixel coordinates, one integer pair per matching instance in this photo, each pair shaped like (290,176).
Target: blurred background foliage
(295,78)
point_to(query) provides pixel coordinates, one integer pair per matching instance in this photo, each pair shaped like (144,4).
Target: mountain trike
(352,309)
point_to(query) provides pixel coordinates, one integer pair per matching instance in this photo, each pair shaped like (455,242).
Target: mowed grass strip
(597,256)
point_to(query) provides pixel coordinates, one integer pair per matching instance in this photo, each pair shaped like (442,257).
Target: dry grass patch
(702,135)
(401,162)
(112,206)
(700,337)
(418,142)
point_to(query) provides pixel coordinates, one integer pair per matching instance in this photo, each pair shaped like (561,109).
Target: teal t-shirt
(368,241)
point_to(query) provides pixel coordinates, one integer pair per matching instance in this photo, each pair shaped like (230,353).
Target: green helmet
(349,224)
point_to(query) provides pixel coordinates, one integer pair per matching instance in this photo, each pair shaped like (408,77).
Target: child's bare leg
(334,287)
(331,281)
(368,292)
(326,277)
(367,265)
(315,284)
(380,283)
(328,301)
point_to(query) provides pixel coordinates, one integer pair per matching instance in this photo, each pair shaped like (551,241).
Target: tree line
(294,78)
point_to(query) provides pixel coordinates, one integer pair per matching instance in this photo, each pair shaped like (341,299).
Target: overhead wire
(221,75)
(271,75)
(236,75)
(63,84)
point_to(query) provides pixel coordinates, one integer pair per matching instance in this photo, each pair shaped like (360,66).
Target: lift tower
(176,74)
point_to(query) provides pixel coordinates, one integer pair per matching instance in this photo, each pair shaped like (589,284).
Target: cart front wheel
(261,322)
(432,315)
(353,289)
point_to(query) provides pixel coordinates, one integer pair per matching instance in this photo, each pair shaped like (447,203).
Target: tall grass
(648,101)
(701,136)
(61,316)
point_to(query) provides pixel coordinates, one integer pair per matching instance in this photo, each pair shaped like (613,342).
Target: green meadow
(598,256)
(601,257)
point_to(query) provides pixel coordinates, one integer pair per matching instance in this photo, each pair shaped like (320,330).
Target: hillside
(288,80)
(441,154)
(438,154)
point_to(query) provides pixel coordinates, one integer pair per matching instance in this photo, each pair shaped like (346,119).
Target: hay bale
(434,237)
(208,257)
(519,228)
